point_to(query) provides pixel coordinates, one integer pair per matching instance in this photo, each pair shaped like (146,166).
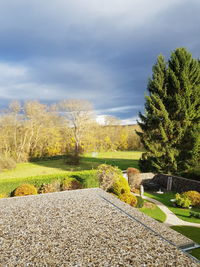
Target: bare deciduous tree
(80,114)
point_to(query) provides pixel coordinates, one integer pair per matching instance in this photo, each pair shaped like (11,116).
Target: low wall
(179,184)
(147,175)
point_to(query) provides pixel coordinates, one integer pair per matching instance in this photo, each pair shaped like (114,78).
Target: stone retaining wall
(179,184)
(147,175)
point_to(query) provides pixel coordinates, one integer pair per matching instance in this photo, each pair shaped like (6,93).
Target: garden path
(171,219)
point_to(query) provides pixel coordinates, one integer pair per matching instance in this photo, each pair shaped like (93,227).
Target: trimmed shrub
(134,178)
(194,196)
(49,188)
(195,214)
(7,163)
(140,202)
(136,191)
(120,186)
(70,184)
(88,179)
(182,201)
(107,175)
(24,190)
(3,195)
(129,199)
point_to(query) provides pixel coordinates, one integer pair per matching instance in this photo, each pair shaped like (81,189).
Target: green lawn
(47,170)
(154,212)
(121,159)
(183,214)
(193,233)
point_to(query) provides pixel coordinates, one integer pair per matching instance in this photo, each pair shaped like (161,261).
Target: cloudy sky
(99,50)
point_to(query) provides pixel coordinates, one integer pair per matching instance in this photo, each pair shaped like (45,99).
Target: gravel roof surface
(83,228)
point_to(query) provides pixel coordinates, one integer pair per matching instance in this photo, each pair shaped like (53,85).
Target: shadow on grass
(88,163)
(78,178)
(121,163)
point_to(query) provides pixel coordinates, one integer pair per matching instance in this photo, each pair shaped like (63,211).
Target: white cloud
(55,80)
(133,120)
(101,51)
(9,72)
(100,119)
(120,109)
(129,121)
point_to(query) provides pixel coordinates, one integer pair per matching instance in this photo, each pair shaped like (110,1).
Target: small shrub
(120,186)
(195,214)
(134,178)
(3,195)
(107,175)
(49,188)
(140,202)
(70,184)
(182,201)
(136,191)
(129,199)
(7,163)
(74,156)
(194,196)
(24,190)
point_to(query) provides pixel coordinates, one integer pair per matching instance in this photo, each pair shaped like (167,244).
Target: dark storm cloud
(93,50)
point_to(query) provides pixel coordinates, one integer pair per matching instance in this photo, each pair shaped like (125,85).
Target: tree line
(35,130)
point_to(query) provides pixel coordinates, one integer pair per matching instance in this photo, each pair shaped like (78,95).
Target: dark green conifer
(171,123)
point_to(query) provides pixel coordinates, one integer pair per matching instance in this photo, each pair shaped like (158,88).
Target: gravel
(84,228)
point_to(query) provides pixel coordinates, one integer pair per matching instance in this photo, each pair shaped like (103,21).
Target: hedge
(88,179)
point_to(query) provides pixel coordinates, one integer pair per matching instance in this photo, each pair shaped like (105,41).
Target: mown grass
(154,212)
(183,214)
(191,232)
(45,171)
(121,159)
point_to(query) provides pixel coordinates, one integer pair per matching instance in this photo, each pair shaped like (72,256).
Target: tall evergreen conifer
(171,123)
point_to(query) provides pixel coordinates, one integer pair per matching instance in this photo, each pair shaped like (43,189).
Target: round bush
(194,197)
(134,178)
(70,184)
(49,188)
(24,190)
(182,201)
(107,175)
(129,199)
(120,186)
(136,191)
(3,195)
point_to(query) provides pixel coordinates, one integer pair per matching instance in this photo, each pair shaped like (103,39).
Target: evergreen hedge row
(87,178)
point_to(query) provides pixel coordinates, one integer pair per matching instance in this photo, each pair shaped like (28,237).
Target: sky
(98,50)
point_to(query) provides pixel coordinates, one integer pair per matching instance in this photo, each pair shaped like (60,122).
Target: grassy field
(121,159)
(154,212)
(48,170)
(193,233)
(183,214)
